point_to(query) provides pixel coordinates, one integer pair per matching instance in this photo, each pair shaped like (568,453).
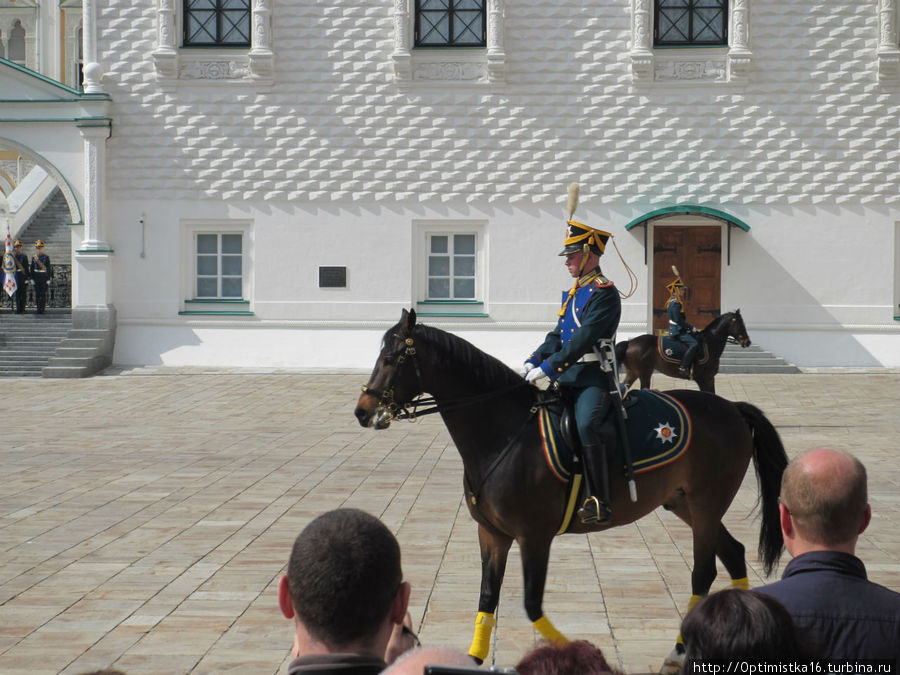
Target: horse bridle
(385,396)
(402,411)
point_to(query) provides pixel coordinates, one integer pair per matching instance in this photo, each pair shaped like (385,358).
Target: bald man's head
(825,492)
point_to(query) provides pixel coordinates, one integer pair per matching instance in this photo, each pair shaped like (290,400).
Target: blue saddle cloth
(672,349)
(658,427)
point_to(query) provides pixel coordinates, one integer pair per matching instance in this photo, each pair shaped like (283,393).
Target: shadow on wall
(782,316)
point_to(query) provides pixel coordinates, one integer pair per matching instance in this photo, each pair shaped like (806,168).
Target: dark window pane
(231,243)
(207,243)
(231,265)
(438,266)
(207,265)
(206,288)
(463,266)
(439,244)
(438,289)
(464,243)
(464,289)
(231,288)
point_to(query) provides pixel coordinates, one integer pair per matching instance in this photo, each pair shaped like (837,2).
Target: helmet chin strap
(585,253)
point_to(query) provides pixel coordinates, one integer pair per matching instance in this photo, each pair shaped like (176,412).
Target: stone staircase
(29,341)
(50,223)
(753,359)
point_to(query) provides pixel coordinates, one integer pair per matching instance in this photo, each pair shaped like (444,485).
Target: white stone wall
(334,161)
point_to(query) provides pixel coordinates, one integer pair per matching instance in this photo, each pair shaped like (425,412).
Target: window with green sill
(219,266)
(451,267)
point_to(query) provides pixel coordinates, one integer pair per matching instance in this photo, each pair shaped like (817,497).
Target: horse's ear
(737,311)
(407,320)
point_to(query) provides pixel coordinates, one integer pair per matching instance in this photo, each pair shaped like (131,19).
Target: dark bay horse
(640,356)
(512,494)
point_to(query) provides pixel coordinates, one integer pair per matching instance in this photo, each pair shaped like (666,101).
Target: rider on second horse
(571,356)
(679,328)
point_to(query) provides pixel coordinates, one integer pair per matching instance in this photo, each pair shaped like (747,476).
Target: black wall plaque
(332,277)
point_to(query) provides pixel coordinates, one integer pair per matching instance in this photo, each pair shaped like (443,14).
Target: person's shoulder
(602,282)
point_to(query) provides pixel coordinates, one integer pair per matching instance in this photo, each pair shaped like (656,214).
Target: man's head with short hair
(343,581)
(414,661)
(824,498)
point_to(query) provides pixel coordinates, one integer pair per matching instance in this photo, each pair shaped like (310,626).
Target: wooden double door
(697,253)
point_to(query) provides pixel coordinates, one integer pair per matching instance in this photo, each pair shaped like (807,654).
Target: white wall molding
(888,54)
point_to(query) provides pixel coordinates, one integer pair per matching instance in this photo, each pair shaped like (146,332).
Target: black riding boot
(596,469)
(687,360)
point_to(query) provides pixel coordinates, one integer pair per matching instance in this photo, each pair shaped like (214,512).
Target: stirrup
(594,511)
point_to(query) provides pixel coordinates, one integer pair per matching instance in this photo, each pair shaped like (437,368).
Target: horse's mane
(715,323)
(485,371)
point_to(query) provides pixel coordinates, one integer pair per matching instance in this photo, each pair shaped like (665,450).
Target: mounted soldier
(578,355)
(679,328)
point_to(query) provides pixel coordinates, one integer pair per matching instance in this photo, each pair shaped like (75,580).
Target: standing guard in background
(23,276)
(41,274)
(572,355)
(679,328)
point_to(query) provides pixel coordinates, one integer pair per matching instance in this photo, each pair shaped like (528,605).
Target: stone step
(69,372)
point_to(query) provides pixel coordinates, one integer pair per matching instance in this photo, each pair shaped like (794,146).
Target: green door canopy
(688,208)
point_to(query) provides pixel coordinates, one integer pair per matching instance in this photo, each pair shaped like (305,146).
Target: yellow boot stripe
(693,601)
(743,583)
(548,630)
(481,641)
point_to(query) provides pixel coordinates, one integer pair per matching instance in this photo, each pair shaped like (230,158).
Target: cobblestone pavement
(146,515)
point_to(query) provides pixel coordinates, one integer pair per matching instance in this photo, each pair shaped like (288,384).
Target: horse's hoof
(673,663)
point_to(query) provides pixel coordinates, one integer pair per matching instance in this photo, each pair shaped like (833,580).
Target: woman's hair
(579,657)
(738,624)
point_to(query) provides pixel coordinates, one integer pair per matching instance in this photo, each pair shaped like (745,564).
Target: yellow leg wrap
(548,630)
(693,601)
(481,641)
(743,583)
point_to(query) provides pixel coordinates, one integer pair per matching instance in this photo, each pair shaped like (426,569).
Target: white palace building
(267,183)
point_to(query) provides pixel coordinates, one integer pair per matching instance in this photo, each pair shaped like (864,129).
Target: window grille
(691,22)
(450,23)
(451,267)
(217,23)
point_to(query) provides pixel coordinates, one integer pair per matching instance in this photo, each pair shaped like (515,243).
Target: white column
(262,60)
(496,56)
(92,69)
(739,54)
(402,56)
(94,135)
(641,40)
(888,54)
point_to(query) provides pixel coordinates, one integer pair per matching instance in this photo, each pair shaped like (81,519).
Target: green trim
(449,302)
(80,96)
(94,250)
(233,301)
(688,208)
(78,224)
(195,312)
(476,315)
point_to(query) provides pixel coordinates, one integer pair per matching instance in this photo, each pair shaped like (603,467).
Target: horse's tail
(769,460)
(621,348)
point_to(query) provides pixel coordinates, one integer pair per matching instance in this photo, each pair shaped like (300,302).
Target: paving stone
(146,521)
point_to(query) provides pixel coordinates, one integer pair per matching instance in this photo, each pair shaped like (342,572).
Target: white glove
(526,368)
(535,374)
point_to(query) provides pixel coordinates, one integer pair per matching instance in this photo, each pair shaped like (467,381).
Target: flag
(9,267)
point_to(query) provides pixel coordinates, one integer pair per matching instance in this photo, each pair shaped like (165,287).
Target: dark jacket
(592,314)
(829,596)
(337,664)
(678,324)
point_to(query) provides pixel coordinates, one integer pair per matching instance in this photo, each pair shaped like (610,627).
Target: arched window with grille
(690,23)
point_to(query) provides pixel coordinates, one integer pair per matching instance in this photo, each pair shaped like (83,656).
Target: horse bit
(390,410)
